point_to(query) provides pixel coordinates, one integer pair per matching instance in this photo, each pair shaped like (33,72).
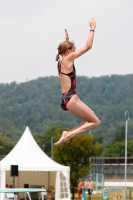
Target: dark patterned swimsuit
(68,95)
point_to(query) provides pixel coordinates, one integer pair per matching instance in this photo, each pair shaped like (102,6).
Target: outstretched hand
(92,23)
(66,35)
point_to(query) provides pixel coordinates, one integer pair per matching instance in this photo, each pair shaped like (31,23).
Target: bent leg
(78,108)
(64,134)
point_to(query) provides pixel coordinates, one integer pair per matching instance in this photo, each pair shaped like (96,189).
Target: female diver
(70,101)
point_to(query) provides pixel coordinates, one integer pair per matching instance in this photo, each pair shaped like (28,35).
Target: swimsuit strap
(71,75)
(60,72)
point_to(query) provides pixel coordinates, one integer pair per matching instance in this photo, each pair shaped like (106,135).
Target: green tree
(5,145)
(118,149)
(100,139)
(120,136)
(44,141)
(35,104)
(76,153)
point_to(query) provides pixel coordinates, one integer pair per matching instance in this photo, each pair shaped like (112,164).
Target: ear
(68,51)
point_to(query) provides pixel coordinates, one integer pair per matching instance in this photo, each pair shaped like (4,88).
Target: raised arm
(66,35)
(89,42)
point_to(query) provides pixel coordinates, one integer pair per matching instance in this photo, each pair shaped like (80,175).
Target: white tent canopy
(30,157)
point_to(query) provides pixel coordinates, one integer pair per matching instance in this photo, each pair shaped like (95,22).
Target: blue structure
(84,193)
(104,194)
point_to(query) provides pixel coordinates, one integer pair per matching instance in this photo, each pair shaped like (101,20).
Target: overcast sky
(30,31)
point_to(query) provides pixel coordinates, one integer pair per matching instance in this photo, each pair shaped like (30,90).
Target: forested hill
(37,104)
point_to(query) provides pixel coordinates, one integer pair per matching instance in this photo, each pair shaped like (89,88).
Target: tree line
(116,148)
(36,104)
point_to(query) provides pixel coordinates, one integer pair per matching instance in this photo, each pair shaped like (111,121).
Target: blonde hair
(63,47)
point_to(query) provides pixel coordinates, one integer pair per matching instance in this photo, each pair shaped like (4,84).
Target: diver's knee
(97,123)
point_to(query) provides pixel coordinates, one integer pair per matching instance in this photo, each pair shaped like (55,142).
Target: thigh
(78,108)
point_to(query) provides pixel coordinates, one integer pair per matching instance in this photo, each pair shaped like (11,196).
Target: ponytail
(57,57)
(63,47)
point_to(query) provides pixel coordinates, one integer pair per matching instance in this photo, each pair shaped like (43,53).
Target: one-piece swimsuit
(66,96)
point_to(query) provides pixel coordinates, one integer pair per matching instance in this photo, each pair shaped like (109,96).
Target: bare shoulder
(67,64)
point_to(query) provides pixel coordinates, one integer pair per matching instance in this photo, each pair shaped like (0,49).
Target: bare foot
(62,139)
(65,137)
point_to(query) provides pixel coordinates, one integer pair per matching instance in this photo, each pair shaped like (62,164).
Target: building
(113,169)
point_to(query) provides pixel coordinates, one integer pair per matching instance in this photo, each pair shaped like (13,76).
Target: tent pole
(48,180)
(13,182)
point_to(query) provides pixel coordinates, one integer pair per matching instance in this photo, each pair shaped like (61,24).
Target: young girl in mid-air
(70,101)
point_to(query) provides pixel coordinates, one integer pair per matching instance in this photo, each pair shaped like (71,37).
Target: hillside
(37,104)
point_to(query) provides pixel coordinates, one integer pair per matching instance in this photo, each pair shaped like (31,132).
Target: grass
(110,195)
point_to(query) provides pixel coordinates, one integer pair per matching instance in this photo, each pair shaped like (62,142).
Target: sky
(31,30)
